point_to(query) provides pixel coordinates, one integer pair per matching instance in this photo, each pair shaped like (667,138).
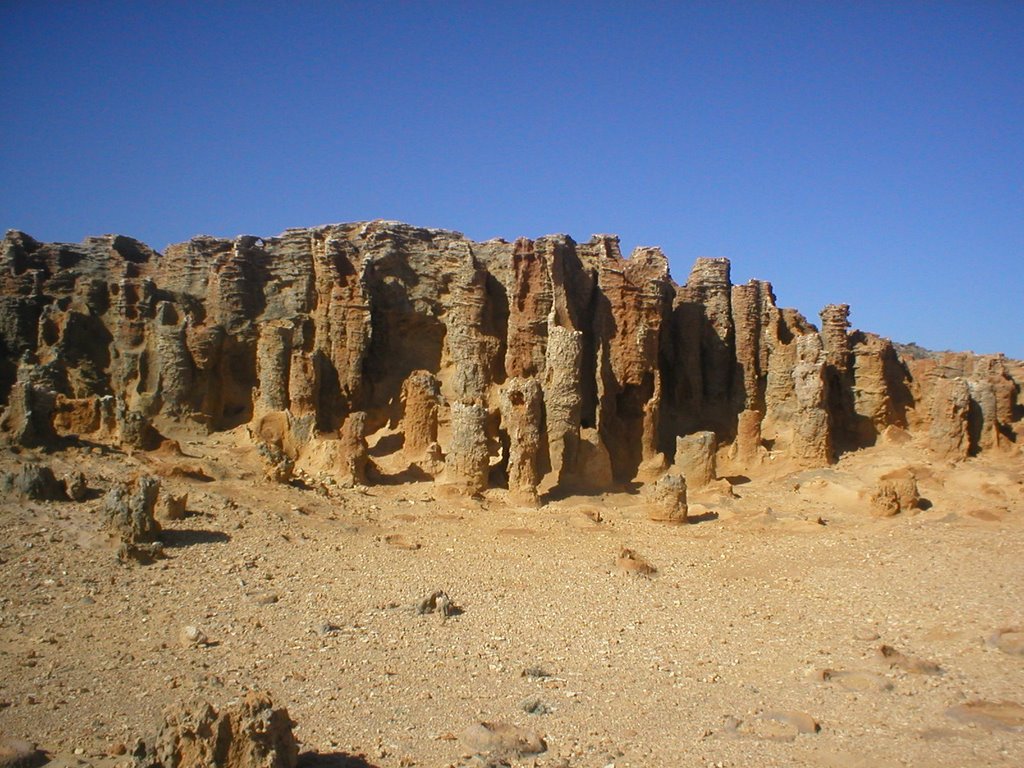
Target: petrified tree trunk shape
(130,309)
(530,302)
(464,338)
(303,383)
(848,430)
(562,399)
(173,363)
(812,440)
(982,421)
(950,406)
(780,397)
(879,386)
(637,292)
(353,450)
(522,415)
(695,458)
(667,500)
(343,323)
(710,285)
(466,463)
(134,429)
(250,733)
(684,381)
(204,343)
(329,307)
(273,364)
(421,397)
(748,450)
(751,307)
(652,418)
(835,324)
(130,508)
(1005,389)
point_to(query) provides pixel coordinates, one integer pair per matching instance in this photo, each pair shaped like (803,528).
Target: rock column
(522,415)
(812,440)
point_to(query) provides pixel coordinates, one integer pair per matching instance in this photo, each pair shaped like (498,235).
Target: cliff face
(415,352)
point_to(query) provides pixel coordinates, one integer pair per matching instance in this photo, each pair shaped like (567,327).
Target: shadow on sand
(333,760)
(175,539)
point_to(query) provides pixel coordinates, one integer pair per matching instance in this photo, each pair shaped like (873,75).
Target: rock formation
(695,458)
(35,482)
(250,734)
(812,434)
(894,493)
(522,416)
(130,510)
(538,365)
(667,500)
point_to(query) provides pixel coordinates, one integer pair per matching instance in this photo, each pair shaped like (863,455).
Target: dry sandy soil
(767,611)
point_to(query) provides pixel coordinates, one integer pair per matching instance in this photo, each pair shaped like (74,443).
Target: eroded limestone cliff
(381,352)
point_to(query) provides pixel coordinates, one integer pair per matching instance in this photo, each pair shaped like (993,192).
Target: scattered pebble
(534,706)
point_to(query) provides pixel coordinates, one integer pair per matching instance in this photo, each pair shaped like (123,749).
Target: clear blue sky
(868,153)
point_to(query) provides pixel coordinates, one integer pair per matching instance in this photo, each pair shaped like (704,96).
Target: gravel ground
(764,617)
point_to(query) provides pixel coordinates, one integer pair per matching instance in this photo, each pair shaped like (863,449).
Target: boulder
(252,733)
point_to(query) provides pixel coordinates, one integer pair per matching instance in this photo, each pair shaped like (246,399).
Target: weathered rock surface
(76,486)
(502,739)
(250,734)
(171,506)
(667,501)
(38,483)
(421,401)
(466,465)
(130,510)
(695,458)
(17,753)
(522,415)
(344,333)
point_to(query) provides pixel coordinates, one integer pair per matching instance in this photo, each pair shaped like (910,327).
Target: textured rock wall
(529,365)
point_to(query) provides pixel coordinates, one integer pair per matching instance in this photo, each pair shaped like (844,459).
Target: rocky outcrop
(695,458)
(421,401)
(34,482)
(895,493)
(563,401)
(130,510)
(249,734)
(468,458)
(812,437)
(352,447)
(667,500)
(538,365)
(522,416)
(747,449)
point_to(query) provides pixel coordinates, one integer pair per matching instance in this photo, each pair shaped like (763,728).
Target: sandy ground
(767,611)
